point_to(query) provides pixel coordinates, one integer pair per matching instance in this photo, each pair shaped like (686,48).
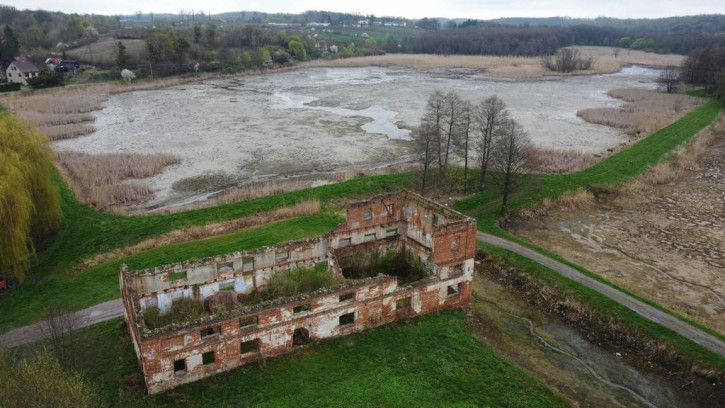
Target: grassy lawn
(86,232)
(377,32)
(604,306)
(431,361)
(79,290)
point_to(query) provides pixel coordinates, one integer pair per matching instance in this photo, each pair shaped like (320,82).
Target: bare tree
(433,118)
(490,117)
(511,158)
(451,117)
(668,79)
(59,329)
(425,142)
(463,142)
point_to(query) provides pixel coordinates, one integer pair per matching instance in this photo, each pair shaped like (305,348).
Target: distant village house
(20,70)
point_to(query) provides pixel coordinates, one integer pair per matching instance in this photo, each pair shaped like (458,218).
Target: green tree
(197,33)
(211,36)
(642,44)
(9,45)
(391,44)
(29,201)
(161,48)
(181,46)
(297,49)
(73,30)
(41,382)
(122,58)
(46,79)
(371,43)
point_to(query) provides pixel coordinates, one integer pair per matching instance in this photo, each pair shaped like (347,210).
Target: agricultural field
(355,34)
(103,51)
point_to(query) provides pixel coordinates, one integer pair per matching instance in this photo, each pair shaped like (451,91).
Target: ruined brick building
(220,339)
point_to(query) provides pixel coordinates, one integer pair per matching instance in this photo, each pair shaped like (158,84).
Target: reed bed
(257,190)
(560,161)
(644,113)
(70,131)
(98,179)
(348,174)
(204,231)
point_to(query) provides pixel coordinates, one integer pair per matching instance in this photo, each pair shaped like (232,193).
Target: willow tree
(29,201)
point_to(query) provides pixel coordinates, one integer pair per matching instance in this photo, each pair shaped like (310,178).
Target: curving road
(643,309)
(112,309)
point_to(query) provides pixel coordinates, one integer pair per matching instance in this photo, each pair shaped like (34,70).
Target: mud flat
(317,121)
(668,246)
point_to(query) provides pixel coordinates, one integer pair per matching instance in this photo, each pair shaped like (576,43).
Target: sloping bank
(610,172)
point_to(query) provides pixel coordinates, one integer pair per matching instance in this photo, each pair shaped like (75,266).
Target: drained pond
(318,121)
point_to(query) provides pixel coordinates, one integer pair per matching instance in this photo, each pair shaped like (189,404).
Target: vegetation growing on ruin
(394,262)
(297,280)
(282,284)
(430,361)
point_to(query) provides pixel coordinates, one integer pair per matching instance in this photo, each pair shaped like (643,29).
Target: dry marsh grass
(258,190)
(205,231)
(576,200)
(561,161)
(684,159)
(644,113)
(70,131)
(604,62)
(98,179)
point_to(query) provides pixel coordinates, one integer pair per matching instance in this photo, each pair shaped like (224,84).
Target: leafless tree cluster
(483,132)
(59,328)
(668,79)
(568,60)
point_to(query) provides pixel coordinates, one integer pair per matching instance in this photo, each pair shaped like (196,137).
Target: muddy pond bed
(317,121)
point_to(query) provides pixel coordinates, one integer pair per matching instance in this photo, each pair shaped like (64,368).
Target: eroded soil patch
(668,246)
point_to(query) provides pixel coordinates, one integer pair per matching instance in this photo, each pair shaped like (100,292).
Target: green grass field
(431,361)
(78,290)
(86,232)
(103,51)
(354,33)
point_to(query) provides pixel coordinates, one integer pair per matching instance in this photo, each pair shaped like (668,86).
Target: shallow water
(319,120)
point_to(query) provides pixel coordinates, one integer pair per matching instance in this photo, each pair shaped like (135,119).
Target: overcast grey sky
(477,9)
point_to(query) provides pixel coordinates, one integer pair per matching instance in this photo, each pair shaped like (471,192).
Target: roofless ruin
(397,255)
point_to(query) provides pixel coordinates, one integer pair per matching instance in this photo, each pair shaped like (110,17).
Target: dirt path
(649,312)
(86,317)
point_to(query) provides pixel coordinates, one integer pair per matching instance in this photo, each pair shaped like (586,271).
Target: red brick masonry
(170,356)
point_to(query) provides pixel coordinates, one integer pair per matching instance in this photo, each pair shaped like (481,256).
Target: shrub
(9,87)
(46,79)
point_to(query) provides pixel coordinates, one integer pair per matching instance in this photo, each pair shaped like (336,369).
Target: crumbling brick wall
(175,355)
